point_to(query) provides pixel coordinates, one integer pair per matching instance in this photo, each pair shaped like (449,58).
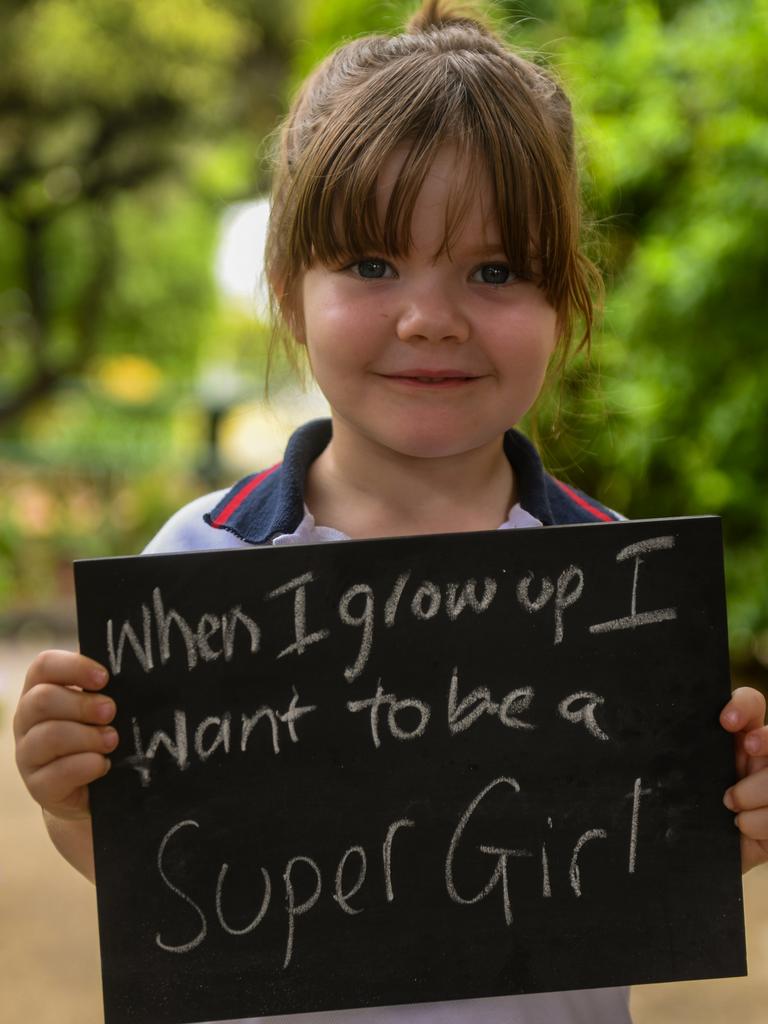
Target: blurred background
(133,329)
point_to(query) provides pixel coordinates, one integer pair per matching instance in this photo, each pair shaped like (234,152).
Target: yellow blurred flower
(129,378)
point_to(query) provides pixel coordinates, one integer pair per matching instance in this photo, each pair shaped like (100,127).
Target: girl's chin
(420,444)
(417,434)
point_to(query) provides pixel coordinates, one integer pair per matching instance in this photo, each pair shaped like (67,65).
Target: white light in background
(253,435)
(239,262)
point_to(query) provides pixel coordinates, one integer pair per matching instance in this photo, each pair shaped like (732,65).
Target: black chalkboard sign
(413,769)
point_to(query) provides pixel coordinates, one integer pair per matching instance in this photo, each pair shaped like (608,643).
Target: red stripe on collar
(240,497)
(596,512)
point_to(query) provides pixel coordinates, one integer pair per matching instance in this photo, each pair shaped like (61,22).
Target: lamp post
(219,388)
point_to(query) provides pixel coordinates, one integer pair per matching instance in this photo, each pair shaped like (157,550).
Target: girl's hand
(744,716)
(62,732)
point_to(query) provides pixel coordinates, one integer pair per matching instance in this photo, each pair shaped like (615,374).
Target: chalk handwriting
(220,739)
(546,885)
(204,744)
(570,584)
(499,875)
(462,715)
(303,639)
(500,871)
(196,641)
(478,702)
(364,619)
(159,632)
(289,718)
(184,947)
(293,909)
(584,838)
(302,876)
(636,618)
(404,718)
(637,792)
(144,755)
(142,650)
(259,913)
(524,597)
(342,898)
(295,904)
(425,603)
(457,600)
(386,853)
(393,601)
(566,592)
(585,713)
(394,708)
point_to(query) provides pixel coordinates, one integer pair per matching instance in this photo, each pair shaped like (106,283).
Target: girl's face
(428,360)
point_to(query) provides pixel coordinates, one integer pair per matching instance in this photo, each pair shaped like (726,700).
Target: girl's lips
(434,382)
(445,379)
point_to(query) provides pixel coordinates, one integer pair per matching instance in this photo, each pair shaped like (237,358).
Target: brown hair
(449,78)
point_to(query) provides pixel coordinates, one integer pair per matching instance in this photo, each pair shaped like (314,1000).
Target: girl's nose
(430,313)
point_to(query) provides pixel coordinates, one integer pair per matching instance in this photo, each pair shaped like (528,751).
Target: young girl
(424,250)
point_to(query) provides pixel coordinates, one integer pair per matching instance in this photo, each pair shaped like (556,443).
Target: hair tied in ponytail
(434,15)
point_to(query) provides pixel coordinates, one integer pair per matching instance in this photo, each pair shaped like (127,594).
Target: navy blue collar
(271,502)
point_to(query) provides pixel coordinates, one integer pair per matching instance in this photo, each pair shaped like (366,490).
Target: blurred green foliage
(673,110)
(125,130)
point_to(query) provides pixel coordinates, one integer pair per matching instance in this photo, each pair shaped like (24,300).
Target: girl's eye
(496,273)
(374,268)
(376,263)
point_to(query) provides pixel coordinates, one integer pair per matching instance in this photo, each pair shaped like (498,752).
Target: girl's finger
(756,742)
(744,711)
(65,668)
(49,742)
(61,787)
(753,824)
(749,793)
(47,701)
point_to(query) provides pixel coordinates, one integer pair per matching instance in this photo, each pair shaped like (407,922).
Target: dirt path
(49,944)
(49,949)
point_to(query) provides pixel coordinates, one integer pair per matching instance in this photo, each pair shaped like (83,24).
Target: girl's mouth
(432,380)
